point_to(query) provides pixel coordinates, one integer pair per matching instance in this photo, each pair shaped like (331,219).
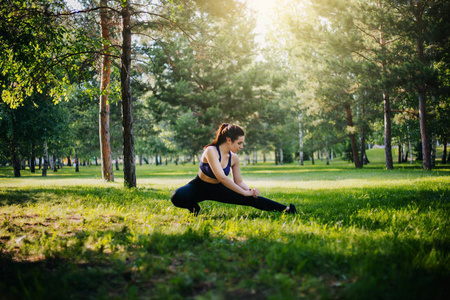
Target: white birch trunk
(433,150)
(327,156)
(331,154)
(300,138)
(281,156)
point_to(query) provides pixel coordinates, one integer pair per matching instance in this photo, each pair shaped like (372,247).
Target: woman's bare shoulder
(234,158)
(210,150)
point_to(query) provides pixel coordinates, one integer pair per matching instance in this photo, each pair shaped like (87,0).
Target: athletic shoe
(195,210)
(292,209)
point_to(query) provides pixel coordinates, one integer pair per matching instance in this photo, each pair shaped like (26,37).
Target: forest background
(115,81)
(147,82)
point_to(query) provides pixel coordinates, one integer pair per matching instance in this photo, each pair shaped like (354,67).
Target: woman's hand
(255,192)
(252,192)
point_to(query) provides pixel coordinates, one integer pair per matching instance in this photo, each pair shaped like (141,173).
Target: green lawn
(359,234)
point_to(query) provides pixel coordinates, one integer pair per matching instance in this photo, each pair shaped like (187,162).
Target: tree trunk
(433,150)
(332,154)
(406,152)
(327,156)
(281,156)
(129,169)
(399,157)
(300,138)
(363,143)
(422,94)
(444,153)
(104,109)
(312,158)
(55,169)
(352,137)
(77,162)
(69,162)
(45,165)
(245,159)
(387,131)
(140,159)
(14,157)
(32,159)
(264,157)
(40,162)
(255,157)
(117,164)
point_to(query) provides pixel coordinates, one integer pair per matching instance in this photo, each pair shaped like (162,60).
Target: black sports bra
(206,169)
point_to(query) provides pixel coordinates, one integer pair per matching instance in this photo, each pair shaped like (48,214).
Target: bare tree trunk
(69,162)
(55,169)
(312,158)
(387,131)
(363,146)
(129,169)
(32,159)
(40,162)
(332,154)
(117,164)
(327,156)
(104,109)
(433,150)
(45,165)
(140,159)
(15,161)
(444,153)
(77,161)
(352,137)
(281,156)
(255,157)
(300,138)
(422,92)
(245,159)
(399,157)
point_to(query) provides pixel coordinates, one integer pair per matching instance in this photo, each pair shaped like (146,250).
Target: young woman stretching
(212,182)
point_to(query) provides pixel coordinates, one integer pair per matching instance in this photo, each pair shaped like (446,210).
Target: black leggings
(197,190)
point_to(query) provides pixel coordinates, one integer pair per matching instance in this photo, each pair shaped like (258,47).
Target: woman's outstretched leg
(225,195)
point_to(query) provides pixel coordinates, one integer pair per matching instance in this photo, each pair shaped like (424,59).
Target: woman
(212,182)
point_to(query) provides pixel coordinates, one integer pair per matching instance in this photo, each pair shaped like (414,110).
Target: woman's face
(237,144)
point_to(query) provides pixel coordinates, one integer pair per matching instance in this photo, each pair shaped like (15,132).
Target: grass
(359,234)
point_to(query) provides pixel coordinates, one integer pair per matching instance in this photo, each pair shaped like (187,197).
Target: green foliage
(359,234)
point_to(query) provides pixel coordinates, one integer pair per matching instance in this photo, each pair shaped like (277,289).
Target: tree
(105,139)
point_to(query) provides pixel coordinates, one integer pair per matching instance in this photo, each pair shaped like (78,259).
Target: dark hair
(226,131)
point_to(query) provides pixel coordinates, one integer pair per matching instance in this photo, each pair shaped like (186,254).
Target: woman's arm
(237,178)
(214,163)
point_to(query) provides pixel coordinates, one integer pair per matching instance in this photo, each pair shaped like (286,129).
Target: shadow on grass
(91,195)
(197,262)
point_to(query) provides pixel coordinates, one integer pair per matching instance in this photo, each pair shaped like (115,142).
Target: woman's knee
(176,198)
(182,197)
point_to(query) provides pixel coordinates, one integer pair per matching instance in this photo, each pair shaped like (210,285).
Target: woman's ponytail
(226,131)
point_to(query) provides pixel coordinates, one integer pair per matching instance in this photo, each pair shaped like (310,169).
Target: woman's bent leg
(225,195)
(187,197)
